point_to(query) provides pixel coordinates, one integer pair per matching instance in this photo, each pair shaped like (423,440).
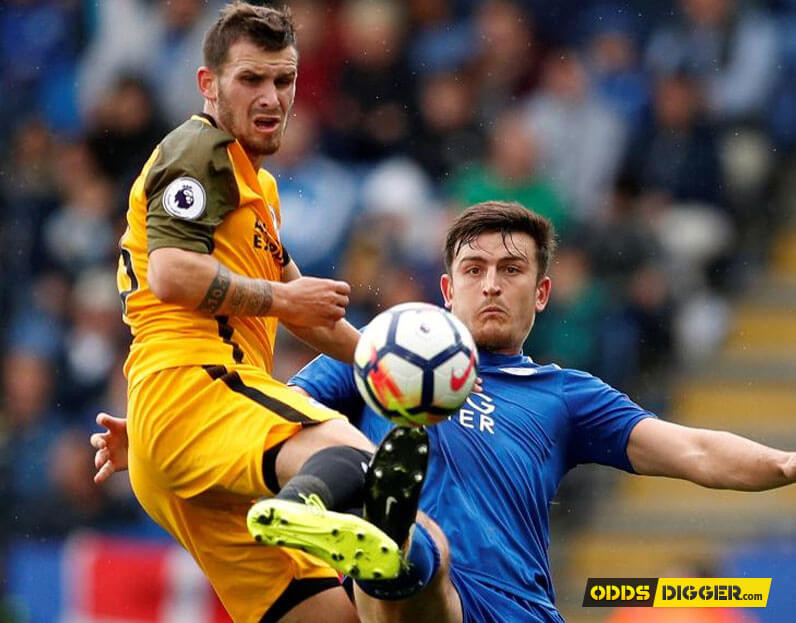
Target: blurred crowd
(658,136)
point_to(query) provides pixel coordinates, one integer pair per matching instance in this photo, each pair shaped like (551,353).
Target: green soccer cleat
(345,542)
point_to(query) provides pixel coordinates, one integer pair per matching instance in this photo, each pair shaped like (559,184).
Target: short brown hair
(506,217)
(269,28)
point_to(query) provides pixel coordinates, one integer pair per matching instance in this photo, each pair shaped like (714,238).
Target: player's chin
(271,144)
(264,145)
(491,336)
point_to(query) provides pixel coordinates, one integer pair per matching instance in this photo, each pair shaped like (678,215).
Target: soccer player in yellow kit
(204,279)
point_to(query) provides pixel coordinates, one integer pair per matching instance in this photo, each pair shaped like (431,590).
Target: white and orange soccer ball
(415,364)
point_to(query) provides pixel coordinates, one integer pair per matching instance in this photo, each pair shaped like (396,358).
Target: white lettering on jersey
(475,415)
(466,418)
(487,424)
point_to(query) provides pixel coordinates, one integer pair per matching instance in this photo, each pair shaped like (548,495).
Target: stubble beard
(265,147)
(492,339)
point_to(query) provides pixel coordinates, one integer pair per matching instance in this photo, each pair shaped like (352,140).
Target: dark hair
(269,28)
(506,217)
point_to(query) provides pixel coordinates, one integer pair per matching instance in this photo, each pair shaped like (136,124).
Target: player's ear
(207,81)
(446,285)
(542,293)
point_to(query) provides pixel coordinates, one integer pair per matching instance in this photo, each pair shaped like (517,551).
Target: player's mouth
(267,125)
(492,310)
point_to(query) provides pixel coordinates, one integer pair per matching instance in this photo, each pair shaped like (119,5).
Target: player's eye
(512,270)
(284,81)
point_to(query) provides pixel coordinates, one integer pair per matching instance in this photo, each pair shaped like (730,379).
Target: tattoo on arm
(236,295)
(250,297)
(217,291)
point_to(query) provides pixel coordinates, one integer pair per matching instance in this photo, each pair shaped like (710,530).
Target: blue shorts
(482,603)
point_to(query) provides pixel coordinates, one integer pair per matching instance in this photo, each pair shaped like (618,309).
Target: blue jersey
(495,466)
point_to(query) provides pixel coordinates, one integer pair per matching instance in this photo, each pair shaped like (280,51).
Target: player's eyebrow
(277,72)
(471,258)
(481,258)
(513,258)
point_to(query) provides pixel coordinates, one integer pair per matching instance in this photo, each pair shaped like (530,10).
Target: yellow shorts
(198,438)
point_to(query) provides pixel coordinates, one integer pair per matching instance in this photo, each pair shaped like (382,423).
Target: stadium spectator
(92,341)
(630,260)
(449,134)
(508,59)
(321,57)
(372,117)
(28,195)
(156,40)
(613,61)
(30,426)
(677,155)
(35,36)
(440,39)
(317,195)
(510,169)
(581,140)
(570,332)
(731,46)
(82,233)
(124,128)
(79,504)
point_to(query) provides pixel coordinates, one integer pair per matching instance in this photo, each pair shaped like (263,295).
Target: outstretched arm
(714,459)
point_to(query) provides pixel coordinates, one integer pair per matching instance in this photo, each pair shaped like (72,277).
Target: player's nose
(491,284)
(267,97)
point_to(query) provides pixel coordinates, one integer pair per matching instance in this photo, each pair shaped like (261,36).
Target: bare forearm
(338,342)
(709,458)
(198,281)
(731,462)
(230,294)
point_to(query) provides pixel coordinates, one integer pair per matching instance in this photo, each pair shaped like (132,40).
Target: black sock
(336,475)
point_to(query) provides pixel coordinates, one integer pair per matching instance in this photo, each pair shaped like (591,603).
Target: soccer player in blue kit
(495,466)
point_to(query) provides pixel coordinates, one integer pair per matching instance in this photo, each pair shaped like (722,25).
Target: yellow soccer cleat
(345,542)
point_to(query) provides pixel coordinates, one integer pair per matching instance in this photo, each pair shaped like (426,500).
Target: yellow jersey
(198,191)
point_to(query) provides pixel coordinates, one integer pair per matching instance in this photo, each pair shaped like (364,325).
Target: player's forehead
(245,55)
(498,246)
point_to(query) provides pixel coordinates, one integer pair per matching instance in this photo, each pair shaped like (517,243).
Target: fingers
(103,473)
(341,300)
(101,457)
(110,422)
(341,287)
(99,440)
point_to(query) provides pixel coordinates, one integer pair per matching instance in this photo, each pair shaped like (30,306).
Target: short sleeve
(190,188)
(602,419)
(331,383)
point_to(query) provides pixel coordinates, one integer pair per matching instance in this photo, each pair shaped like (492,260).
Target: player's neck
(255,159)
(508,351)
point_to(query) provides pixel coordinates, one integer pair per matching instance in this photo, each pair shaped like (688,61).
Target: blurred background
(659,136)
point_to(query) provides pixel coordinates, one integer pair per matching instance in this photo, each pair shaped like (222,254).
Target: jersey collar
(495,360)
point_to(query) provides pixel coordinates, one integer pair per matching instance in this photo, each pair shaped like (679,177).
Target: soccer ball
(415,364)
